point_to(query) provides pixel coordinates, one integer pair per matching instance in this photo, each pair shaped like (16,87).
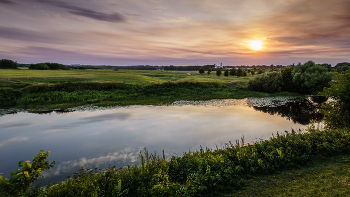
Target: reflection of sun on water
(256,45)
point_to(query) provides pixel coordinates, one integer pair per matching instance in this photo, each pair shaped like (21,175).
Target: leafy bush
(337,111)
(21,181)
(267,82)
(8,96)
(209,71)
(233,72)
(218,72)
(239,72)
(308,77)
(341,67)
(288,84)
(226,73)
(5,63)
(260,71)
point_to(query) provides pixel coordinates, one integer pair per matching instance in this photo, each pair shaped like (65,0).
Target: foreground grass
(326,177)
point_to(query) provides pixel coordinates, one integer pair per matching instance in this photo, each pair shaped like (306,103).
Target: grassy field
(48,89)
(124,76)
(326,177)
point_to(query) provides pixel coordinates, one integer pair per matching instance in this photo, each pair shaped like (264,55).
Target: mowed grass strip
(326,177)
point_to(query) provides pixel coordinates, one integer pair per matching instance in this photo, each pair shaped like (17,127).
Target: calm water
(101,137)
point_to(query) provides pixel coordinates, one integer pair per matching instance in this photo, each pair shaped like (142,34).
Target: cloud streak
(89,13)
(9,2)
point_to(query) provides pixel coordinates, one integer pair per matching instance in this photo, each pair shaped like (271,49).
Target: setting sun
(256,45)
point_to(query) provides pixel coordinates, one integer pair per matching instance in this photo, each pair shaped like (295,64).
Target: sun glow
(256,45)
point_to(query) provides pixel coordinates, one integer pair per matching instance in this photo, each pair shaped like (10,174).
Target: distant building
(216,66)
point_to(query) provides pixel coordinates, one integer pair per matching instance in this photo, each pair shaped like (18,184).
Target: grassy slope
(327,177)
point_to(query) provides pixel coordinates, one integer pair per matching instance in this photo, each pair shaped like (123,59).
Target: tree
(201,71)
(268,82)
(252,72)
(21,181)
(209,71)
(260,71)
(56,66)
(244,73)
(218,72)
(341,67)
(288,84)
(226,73)
(39,66)
(8,64)
(309,77)
(239,72)
(337,111)
(233,72)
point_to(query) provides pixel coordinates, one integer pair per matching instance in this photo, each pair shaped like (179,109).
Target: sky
(175,32)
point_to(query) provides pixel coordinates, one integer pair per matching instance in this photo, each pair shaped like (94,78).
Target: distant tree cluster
(342,67)
(8,64)
(48,66)
(187,68)
(307,77)
(267,82)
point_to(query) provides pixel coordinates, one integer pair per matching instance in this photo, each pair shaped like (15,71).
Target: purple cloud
(8,2)
(114,17)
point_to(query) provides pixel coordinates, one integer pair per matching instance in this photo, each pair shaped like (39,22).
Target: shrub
(260,71)
(20,182)
(239,72)
(5,63)
(8,96)
(209,71)
(226,73)
(268,82)
(288,84)
(201,71)
(337,111)
(341,67)
(218,72)
(233,72)
(308,77)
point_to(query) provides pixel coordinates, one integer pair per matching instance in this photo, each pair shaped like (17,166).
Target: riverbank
(61,89)
(223,171)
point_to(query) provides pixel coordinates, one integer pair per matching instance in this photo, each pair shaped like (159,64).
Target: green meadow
(24,75)
(61,89)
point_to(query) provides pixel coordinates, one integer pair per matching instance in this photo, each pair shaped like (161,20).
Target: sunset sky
(175,32)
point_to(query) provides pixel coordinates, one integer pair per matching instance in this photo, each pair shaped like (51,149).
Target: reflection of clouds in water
(128,155)
(16,139)
(11,125)
(87,120)
(105,117)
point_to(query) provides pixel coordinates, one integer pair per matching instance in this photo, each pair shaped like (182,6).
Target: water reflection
(301,110)
(93,137)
